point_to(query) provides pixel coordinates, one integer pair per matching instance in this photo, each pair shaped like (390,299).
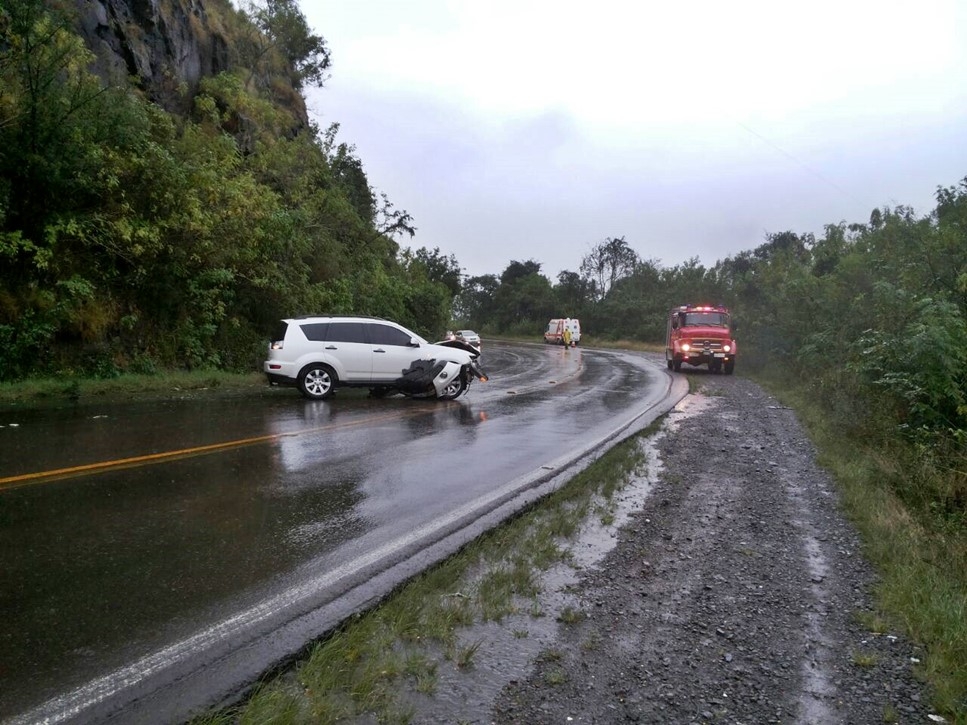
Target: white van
(554,334)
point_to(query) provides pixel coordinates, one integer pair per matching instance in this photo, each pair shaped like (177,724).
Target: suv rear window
(316,331)
(278,333)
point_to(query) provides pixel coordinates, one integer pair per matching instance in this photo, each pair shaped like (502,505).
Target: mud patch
(506,650)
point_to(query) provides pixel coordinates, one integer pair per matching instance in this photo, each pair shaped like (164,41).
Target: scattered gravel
(734,594)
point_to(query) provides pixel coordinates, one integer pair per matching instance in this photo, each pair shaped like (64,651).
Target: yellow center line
(91,468)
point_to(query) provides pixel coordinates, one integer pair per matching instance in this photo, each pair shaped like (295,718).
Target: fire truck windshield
(714,319)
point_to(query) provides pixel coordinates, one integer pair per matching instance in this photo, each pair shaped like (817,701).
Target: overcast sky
(525,129)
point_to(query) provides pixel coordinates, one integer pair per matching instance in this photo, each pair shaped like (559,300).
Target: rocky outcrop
(162,44)
(165,46)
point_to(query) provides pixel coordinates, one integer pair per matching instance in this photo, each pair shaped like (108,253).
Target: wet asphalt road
(173,527)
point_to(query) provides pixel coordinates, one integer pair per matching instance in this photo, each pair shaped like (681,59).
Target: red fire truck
(700,335)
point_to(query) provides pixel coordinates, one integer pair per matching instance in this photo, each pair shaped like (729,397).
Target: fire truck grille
(714,345)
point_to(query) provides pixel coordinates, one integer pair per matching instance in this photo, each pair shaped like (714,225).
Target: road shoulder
(738,593)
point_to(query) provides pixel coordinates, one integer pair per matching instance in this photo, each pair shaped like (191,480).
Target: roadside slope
(737,594)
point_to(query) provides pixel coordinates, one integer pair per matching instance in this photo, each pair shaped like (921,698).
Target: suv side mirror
(414,342)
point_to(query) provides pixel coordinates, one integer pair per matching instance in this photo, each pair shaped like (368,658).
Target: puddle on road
(688,407)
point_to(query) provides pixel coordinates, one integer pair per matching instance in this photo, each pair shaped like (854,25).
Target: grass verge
(920,557)
(358,669)
(41,392)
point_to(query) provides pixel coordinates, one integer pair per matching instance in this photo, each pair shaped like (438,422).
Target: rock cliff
(166,46)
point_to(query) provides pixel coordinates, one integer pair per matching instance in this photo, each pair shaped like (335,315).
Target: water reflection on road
(99,569)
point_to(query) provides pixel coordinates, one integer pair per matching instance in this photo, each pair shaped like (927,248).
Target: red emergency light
(703,308)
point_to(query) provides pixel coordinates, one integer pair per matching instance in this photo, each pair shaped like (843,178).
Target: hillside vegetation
(135,239)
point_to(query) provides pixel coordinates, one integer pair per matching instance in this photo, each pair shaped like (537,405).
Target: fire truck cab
(700,335)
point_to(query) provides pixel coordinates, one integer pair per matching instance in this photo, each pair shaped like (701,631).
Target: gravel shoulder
(737,593)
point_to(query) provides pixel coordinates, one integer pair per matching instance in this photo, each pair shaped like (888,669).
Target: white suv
(318,354)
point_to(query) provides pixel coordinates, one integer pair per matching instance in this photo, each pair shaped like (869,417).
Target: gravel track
(733,595)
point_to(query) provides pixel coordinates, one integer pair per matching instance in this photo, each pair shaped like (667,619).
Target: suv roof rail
(338,317)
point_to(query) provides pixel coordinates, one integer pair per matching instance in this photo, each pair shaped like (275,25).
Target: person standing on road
(567,336)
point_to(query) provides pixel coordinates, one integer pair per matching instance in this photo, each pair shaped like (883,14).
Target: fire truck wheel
(677,366)
(669,363)
(729,367)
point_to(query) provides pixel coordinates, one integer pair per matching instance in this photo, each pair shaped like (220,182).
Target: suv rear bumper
(278,379)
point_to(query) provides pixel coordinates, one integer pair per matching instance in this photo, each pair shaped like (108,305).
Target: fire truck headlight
(686,347)
(727,348)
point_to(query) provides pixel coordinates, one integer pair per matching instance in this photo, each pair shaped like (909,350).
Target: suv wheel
(453,390)
(317,381)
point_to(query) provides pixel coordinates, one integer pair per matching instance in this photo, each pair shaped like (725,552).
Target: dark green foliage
(523,297)
(132,239)
(475,305)
(574,294)
(919,370)
(25,347)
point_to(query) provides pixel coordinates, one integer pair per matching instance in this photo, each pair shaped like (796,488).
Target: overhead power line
(804,165)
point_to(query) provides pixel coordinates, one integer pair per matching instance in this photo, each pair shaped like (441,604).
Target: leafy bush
(25,346)
(919,371)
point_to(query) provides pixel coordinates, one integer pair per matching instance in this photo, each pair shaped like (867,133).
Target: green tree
(574,294)
(525,299)
(63,139)
(283,28)
(608,262)
(348,173)
(918,372)
(475,306)
(391,221)
(636,306)
(54,116)
(433,266)
(519,270)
